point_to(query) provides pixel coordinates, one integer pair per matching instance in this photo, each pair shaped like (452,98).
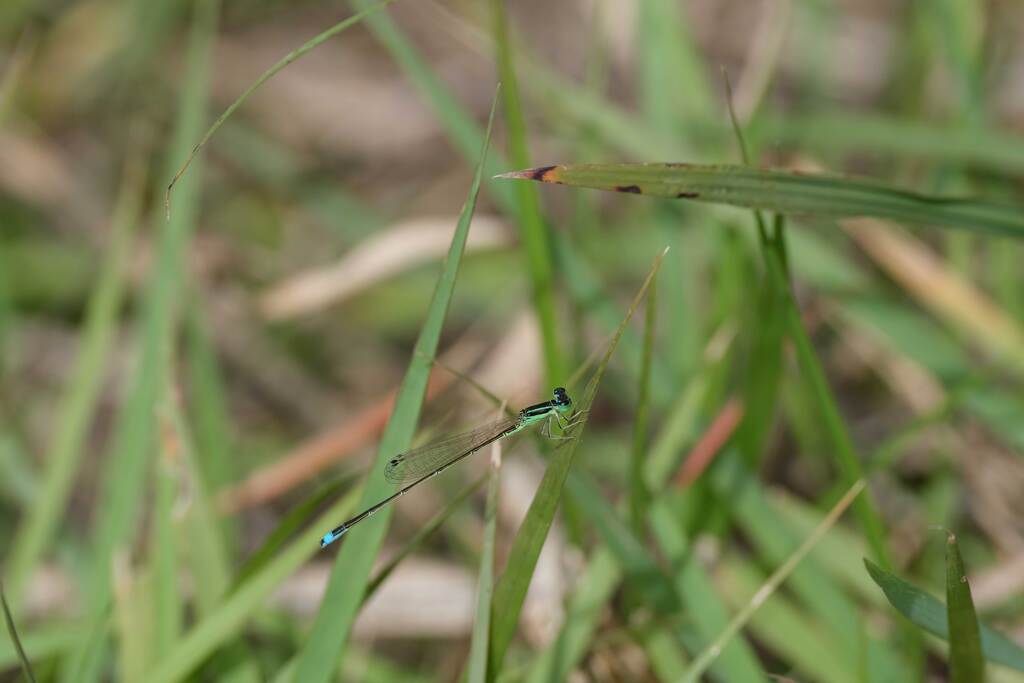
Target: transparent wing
(421,461)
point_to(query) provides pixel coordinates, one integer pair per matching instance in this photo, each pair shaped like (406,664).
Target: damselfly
(420,464)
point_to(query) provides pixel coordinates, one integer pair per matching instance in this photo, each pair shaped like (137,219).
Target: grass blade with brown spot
(786,192)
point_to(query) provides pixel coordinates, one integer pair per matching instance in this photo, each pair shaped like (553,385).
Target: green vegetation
(235,280)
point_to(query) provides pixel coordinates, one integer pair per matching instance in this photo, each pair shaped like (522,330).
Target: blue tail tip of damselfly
(330,537)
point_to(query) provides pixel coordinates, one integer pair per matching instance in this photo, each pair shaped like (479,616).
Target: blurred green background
(175,393)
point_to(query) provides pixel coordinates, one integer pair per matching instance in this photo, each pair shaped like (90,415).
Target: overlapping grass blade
(787,193)
(348,578)
(264,77)
(775,541)
(929,613)
(532,228)
(26,665)
(966,663)
(477,667)
(705,608)
(638,494)
(225,622)
(134,622)
(127,465)
(286,529)
(205,552)
(162,581)
(844,132)
(37,529)
(708,656)
(43,642)
(511,588)
(583,613)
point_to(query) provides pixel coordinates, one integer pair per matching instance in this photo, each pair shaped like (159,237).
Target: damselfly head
(562,399)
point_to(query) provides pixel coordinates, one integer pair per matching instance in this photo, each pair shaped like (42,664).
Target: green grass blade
(207,402)
(782,628)
(477,668)
(846,456)
(774,541)
(737,661)
(531,223)
(712,652)
(227,620)
(26,665)
(787,193)
(37,529)
(43,642)
(650,580)
(348,579)
(582,618)
(285,530)
(511,588)
(168,613)
(966,662)
(638,493)
(264,77)
(205,552)
(829,131)
(134,622)
(929,613)
(127,465)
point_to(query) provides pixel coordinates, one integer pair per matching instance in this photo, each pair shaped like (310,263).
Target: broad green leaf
(929,613)
(347,583)
(786,192)
(511,588)
(966,663)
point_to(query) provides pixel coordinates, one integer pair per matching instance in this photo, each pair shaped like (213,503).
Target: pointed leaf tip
(542,173)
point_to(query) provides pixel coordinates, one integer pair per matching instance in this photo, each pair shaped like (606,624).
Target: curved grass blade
(26,666)
(966,663)
(786,192)
(929,613)
(511,588)
(264,77)
(347,584)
